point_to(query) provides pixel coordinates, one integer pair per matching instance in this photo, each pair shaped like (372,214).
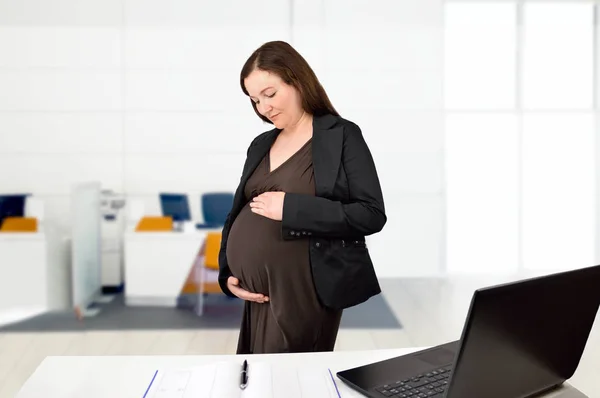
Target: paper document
(222,380)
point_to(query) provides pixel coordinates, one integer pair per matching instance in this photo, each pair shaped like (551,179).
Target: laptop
(520,339)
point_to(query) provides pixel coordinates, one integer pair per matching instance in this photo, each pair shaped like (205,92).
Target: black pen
(244,374)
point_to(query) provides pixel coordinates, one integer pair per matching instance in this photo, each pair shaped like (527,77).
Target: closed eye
(268,96)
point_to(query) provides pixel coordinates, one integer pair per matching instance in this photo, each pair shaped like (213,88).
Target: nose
(264,107)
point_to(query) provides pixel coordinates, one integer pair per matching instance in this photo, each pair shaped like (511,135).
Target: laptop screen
(525,337)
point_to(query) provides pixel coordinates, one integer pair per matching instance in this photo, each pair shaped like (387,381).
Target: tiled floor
(432,311)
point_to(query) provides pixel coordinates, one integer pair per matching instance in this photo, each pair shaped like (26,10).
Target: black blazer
(348,206)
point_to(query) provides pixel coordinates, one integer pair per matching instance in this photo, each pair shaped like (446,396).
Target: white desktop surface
(23,236)
(129,376)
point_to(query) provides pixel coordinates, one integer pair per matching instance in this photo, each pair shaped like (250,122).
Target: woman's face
(274,99)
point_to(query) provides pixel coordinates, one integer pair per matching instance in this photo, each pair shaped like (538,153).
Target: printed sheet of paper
(222,380)
(295,382)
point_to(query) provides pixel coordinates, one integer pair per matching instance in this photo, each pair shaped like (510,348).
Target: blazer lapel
(255,156)
(258,152)
(327,153)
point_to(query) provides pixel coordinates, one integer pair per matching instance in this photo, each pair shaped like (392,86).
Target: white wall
(381,63)
(521,136)
(144,96)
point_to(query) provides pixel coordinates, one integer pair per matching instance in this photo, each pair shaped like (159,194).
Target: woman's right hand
(234,287)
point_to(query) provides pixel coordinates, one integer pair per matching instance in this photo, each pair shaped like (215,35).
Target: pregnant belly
(255,250)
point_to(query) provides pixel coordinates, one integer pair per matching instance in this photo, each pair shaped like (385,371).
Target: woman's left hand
(269,204)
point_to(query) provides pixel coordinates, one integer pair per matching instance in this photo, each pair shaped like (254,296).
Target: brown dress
(293,320)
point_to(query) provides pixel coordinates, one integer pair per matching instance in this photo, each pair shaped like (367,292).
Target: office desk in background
(23,275)
(157,265)
(129,376)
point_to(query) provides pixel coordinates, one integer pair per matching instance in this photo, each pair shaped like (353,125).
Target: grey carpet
(220,312)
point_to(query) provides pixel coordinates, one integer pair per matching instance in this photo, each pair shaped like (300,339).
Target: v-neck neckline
(269,171)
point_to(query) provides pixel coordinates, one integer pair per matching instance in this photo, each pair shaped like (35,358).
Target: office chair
(199,282)
(212,247)
(215,208)
(19,224)
(154,224)
(207,259)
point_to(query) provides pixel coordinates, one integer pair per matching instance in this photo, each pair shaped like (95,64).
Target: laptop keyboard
(431,384)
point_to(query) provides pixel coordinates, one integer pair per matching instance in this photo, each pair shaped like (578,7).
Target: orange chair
(155,224)
(19,224)
(212,246)
(209,254)
(211,250)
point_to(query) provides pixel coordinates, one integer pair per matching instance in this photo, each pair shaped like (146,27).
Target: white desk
(157,265)
(129,376)
(23,275)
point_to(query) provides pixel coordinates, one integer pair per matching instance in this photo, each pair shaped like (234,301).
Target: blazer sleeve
(363,215)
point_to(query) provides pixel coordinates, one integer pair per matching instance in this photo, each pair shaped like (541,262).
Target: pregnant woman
(293,245)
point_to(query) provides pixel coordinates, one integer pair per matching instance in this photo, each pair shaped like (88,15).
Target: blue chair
(12,205)
(215,208)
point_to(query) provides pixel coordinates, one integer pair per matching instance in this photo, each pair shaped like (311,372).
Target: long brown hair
(282,59)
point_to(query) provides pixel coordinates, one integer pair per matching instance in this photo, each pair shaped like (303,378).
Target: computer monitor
(176,206)
(12,206)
